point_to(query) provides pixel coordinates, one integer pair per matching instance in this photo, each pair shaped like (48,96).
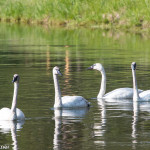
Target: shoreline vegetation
(128,15)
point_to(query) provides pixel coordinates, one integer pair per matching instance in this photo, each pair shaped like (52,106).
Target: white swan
(66,101)
(143,96)
(120,93)
(13,113)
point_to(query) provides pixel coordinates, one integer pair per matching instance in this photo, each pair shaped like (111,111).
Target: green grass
(126,14)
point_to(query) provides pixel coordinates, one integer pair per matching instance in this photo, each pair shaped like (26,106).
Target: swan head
(97,66)
(56,71)
(15,78)
(133,65)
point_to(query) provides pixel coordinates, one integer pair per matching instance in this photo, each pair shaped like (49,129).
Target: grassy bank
(124,14)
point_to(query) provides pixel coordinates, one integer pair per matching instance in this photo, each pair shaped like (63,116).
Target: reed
(98,13)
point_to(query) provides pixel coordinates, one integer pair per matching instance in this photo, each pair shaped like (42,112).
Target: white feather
(145,95)
(121,93)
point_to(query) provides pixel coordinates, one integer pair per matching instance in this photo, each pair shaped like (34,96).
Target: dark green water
(32,52)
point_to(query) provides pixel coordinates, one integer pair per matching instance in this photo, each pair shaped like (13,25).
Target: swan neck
(135,88)
(58,102)
(14,102)
(103,85)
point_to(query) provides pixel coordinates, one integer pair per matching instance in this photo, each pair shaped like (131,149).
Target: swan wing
(145,95)
(5,114)
(3,110)
(74,101)
(20,114)
(121,93)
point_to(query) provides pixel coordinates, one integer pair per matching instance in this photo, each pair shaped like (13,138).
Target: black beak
(14,79)
(89,68)
(133,66)
(59,73)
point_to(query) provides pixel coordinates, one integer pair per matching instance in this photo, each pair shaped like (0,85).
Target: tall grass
(104,13)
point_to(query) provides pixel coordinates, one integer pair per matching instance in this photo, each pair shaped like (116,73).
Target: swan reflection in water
(11,126)
(64,126)
(138,107)
(134,123)
(99,127)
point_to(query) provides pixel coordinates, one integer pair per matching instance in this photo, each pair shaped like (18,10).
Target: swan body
(119,93)
(74,101)
(143,96)
(66,101)
(6,114)
(13,113)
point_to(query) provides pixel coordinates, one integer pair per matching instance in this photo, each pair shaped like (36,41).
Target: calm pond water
(32,52)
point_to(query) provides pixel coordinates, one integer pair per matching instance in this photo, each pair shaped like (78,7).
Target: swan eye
(58,71)
(93,65)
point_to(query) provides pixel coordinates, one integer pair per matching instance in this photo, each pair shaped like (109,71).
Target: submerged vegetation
(126,14)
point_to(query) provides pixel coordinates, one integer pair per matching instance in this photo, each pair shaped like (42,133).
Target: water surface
(32,52)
